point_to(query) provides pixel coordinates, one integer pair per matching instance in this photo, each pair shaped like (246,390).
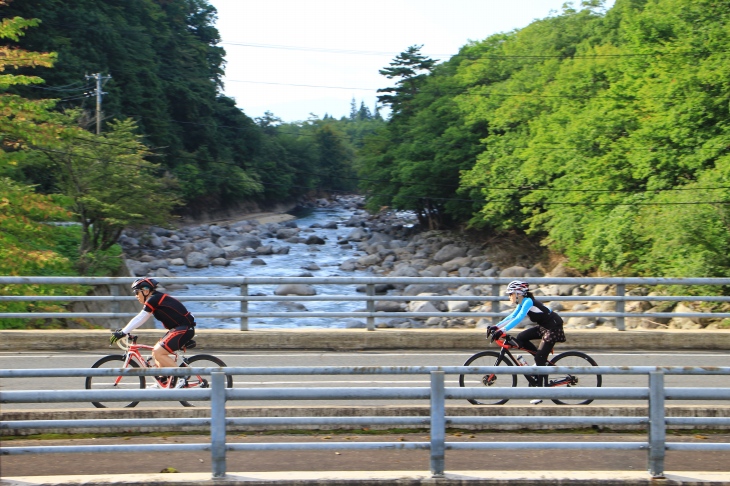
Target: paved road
(27,360)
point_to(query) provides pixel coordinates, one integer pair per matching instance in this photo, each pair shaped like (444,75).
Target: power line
(300,85)
(329,50)
(468,91)
(481,200)
(511,201)
(518,188)
(65,88)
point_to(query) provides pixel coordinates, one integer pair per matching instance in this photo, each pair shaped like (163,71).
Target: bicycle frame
(532,379)
(133,351)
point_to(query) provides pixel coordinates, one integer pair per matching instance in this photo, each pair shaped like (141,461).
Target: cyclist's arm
(516,316)
(137,321)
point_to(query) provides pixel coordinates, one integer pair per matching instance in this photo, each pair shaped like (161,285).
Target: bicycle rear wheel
(109,382)
(202,381)
(488,358)
(574,358)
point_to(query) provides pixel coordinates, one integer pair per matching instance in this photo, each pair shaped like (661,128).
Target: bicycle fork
(488,380)
(127,359)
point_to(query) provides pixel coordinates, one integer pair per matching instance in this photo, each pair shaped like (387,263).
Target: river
(328,257)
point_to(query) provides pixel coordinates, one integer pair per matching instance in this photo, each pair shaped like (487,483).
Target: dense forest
(162,68)
(603,134)
(166,143)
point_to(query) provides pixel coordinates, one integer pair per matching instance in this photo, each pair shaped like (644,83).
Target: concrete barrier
(360,339)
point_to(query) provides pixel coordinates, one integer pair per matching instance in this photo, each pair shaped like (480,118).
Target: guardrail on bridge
(119,289)
(655,393)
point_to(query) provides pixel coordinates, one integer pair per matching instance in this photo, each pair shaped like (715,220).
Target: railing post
(218,423)
(370,306)
(244,307)
(114,292)
(438,424)
(495,304)
(621,307)
(657,425)
(114,306)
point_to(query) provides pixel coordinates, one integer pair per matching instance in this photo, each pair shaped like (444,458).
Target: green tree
(23,122)
(110,184)
(29,245)
(166,66)
(410,68)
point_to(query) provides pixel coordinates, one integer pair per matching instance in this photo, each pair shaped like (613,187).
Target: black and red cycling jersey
(169,311)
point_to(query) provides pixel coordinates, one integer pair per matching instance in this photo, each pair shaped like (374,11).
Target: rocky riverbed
(386,244)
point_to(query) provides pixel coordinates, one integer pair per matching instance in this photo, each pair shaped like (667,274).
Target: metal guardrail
(119,288)
(656,394)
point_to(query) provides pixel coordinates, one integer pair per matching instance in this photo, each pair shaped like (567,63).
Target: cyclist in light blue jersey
(549,327)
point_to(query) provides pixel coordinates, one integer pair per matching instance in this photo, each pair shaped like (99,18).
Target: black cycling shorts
(177,338)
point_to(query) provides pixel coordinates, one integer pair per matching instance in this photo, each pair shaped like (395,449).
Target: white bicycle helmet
(518,287)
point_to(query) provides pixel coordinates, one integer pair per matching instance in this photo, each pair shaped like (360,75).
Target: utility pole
(99,78)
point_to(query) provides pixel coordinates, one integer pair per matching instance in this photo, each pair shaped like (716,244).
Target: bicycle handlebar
(127,341)
(506,340)
(123,343)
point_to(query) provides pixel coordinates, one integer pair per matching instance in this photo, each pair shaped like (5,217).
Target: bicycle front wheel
(202,381)
(574,358)
(502,380)
(114,382)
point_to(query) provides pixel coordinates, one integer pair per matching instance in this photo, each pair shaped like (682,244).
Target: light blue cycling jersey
(516,316)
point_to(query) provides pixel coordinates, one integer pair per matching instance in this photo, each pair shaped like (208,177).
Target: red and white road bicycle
(132,358)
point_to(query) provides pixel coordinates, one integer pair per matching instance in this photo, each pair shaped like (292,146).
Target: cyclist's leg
(524,338)
(171,342)
(541,359)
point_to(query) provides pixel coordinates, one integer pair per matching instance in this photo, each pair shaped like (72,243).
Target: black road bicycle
(504,357)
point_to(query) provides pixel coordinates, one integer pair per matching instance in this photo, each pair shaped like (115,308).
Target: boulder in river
(295,289)
(448,253)
(314,240)
(197,259)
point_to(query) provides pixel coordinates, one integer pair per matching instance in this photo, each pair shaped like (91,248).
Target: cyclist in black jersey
(178,321)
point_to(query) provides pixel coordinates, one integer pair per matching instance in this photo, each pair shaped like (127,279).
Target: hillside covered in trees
(605,134)
(162,68)
(602,134)
(168,141)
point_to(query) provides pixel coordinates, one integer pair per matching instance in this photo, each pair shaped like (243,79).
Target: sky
(296,58)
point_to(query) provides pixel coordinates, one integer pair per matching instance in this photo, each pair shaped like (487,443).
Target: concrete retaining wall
(360,339)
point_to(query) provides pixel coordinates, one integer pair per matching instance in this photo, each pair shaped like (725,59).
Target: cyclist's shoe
(181,383)
(536,401)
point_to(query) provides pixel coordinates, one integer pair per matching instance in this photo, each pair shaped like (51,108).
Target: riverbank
(384,244)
